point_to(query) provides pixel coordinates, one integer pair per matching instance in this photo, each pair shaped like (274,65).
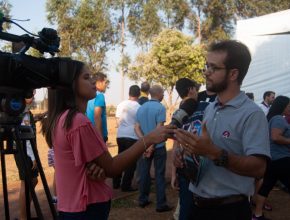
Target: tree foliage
(208,19)
(146,19)
(143,21)
(175,13)
(5,8)
(85,28)
(172,56)
(88,29)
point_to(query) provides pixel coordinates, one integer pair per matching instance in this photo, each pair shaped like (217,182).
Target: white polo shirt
(126,113)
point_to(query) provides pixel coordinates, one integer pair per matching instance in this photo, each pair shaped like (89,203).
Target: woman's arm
(113,166)
(277,136)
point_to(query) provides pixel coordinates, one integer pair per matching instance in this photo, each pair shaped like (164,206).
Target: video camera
(20,74)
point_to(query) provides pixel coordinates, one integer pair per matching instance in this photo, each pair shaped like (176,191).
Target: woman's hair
(278,106)
(60,100)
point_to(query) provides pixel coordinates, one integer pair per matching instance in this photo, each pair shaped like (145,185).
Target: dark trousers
(96,211)
(276,170)
(159,157)
(185,198)
(235,211)
(124,144)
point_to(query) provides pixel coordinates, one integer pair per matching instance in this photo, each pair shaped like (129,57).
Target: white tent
(268,38)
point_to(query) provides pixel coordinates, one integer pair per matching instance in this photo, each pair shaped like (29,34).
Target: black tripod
(12,132)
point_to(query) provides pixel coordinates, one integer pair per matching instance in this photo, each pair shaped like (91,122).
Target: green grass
(123,203)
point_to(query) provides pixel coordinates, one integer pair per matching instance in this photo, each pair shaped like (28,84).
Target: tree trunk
(122,52)
(170,105)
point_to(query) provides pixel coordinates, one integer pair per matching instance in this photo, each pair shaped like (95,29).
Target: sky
(35,11)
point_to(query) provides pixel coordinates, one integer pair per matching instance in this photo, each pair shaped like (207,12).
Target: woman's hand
(160,134)
(94,172)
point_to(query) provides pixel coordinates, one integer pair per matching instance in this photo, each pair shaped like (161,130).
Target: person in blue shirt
(96,108)
(150,115)
(278,168)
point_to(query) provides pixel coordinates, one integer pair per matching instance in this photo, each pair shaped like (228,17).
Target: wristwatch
(223,159)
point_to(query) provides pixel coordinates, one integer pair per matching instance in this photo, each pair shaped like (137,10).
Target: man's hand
(174,182)
(194,144)
(178,158)
(94,172)
(148,153)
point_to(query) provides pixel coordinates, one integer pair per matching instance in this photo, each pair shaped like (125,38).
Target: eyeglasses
(212,69)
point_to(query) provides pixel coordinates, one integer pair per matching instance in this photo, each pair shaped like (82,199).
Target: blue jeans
(185,199)
(96,211)
(159,157)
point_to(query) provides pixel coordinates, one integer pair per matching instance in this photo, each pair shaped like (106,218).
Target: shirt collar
(236,102)
(143,94)
(265,104)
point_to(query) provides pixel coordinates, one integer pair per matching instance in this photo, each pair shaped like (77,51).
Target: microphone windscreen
(189,106)
(186,109)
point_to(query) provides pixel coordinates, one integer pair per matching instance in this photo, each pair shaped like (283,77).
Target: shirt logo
(194,127)
(226,134)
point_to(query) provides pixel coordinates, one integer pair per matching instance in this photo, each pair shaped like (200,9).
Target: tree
(175,13)
(120,7)
(61,13)
(171,57)
(147,18)
(209,20)
(86,30)
(144,22)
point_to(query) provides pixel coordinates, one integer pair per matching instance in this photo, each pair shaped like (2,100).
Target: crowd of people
(228,155)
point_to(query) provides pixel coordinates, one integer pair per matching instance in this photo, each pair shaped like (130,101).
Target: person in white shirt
(126,137)
(27,120)
(268,99)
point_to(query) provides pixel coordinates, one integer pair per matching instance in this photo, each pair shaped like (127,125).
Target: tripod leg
(26,186)
(4,182)
(28,175)
(43,179)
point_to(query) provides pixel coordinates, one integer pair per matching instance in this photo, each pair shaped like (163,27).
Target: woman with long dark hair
(79,149)
(279,167)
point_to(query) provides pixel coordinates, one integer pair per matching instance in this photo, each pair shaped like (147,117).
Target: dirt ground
(124,205)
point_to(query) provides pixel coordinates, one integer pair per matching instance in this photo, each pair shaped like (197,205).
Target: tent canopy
(268,38)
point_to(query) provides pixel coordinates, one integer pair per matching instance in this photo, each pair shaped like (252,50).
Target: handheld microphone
(186,109)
